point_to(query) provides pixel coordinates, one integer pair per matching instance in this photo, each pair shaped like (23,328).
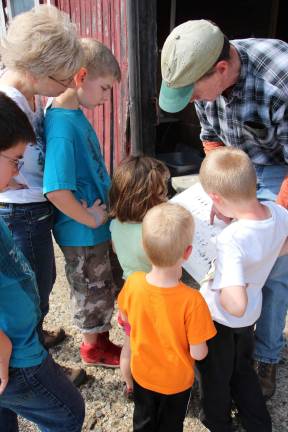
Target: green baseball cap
(190,51)
(173,99)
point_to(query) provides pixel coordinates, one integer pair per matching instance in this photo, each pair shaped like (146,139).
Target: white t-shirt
(246,253)
(31,174)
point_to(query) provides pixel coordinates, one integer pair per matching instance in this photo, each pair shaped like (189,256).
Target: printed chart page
(199,204)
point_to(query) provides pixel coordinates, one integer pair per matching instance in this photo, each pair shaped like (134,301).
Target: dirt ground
(106,408)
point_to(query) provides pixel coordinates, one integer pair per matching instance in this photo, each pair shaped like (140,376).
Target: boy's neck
(67,100)
(251,210)
(165,277)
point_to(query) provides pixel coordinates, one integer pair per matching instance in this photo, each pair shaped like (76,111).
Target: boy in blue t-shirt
(31,384)
(76,182)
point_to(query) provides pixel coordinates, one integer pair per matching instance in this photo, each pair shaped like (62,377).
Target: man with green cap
(240,91)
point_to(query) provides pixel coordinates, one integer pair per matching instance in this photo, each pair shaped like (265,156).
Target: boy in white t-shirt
(246,252)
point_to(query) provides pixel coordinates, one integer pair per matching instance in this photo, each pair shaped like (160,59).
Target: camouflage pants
(93,292)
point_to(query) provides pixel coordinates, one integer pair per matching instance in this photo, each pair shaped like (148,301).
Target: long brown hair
(138,184)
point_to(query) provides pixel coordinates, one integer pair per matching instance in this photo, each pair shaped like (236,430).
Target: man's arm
(5,354)
(65,201)
(234,300)
(208,136)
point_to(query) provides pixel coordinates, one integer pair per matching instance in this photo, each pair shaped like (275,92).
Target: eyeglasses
(64,83)
(18,163)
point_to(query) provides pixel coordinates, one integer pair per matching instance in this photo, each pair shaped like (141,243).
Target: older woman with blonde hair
(40,54)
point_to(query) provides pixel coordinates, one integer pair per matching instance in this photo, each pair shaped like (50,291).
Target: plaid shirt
(254,117)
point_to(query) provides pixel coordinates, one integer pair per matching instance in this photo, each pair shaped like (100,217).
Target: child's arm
(199,351)
(5,354)
(234,300)
(123,316)
(65,201)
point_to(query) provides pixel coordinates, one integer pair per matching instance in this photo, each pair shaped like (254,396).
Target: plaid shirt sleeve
(207,131)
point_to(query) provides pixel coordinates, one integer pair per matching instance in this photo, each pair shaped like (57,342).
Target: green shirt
(127,243)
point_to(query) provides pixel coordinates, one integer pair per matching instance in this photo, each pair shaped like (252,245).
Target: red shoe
(104,342)
(103,353)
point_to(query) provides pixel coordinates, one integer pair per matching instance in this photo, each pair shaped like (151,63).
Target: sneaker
(267,377)
(104,341)
(52,338)
(103,353)
(77,376)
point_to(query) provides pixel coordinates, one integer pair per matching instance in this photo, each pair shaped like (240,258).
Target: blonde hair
(42,42)
(138,183)
(230,173)
(99,59)
(167,231)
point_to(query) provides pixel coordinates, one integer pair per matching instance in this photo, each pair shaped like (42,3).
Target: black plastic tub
(182,163)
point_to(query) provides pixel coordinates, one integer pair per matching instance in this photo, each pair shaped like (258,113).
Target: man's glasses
(64,83)
(18,163)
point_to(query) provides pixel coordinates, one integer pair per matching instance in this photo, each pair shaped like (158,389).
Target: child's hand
(13,184)
(5,354)
(214,212)
(98,211)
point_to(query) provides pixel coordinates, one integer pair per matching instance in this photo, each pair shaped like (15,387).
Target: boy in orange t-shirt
(170,323)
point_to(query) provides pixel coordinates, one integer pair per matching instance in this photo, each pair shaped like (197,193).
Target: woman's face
(53,85)
(10,160)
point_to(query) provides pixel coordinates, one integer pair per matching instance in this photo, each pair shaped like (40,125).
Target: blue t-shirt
(19,304)
(74,162)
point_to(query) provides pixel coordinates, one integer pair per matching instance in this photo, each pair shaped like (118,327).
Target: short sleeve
(229,266)
(199,324)
(60,165)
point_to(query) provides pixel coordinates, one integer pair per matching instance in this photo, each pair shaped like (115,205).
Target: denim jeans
(269,338)
(43,395)
(30,225)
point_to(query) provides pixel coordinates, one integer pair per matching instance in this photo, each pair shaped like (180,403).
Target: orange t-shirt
(282,197)
(164,321)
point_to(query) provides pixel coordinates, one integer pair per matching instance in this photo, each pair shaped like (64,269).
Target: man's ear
(187,252)
(80,76)
(221,66)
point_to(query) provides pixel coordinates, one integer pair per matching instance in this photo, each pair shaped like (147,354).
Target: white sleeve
(229,266)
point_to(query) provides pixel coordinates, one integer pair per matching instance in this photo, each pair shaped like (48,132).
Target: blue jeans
(43,395)
(269,338)
(31,225)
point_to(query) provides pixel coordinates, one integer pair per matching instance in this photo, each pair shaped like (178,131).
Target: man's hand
(98,211)
(214,212)
(211,145)
(5,354)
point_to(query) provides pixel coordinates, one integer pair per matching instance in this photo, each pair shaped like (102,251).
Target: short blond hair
(42,42)
(167,231)
(230,173)
(99,59)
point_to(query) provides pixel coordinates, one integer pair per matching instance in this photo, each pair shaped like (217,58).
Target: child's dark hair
(139,183)
(14,124)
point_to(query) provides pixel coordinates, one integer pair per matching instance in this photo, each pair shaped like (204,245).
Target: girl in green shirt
(138,184)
